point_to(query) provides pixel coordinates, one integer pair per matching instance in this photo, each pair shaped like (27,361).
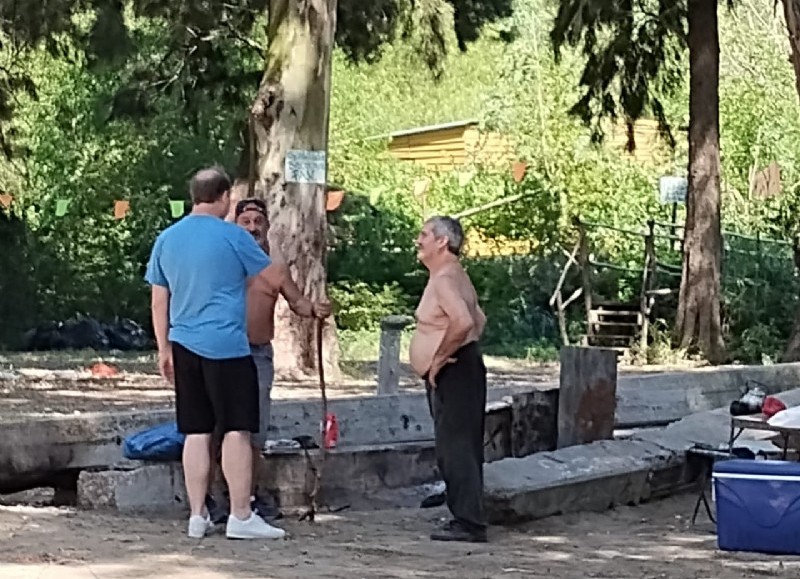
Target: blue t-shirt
(205,262)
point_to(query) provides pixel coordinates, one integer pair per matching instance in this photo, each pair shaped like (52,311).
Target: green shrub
(360,306)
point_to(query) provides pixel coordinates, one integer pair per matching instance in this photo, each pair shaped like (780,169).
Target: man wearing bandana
(262,296)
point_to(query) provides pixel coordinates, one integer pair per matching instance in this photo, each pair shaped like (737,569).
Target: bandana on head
(256,205)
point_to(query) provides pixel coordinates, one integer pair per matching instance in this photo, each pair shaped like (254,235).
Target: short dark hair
(251,204)
(209,185)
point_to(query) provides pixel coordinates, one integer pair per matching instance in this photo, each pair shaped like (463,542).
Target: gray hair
(449,227)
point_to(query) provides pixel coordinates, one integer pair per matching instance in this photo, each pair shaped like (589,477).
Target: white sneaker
(199,526)
(253,528)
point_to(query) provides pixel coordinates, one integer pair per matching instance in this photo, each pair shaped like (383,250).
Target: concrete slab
(33,448)
(95,440)
(607,473)
(664,398)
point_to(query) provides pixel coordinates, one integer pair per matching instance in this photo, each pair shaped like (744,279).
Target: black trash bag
(87,333)
(82,333)
(127,335)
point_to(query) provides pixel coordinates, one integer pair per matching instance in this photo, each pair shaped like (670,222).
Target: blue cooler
(758,506)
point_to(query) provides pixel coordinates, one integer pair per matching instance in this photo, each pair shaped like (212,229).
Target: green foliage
(86,261)
(104,129)
(361,306)
(517,311)
(632,56)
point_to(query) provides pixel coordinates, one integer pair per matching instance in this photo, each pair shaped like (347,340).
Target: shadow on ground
(652,540)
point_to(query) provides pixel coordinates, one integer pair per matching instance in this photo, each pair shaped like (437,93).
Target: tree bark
(699,318)
(792,352)
(791,12)
(291,112)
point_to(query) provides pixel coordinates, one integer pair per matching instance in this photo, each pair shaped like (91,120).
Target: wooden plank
(431,155)
(448,145)
(587,396)
(422,138)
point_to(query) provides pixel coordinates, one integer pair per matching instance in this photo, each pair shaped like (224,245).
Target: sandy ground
(62,383)
(649,541)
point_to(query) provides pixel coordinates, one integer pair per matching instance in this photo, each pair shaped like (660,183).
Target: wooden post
(586,280)
(647,284)
(673,229)
(587,397)
(389,357)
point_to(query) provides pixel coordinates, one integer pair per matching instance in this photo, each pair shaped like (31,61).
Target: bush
(361,306)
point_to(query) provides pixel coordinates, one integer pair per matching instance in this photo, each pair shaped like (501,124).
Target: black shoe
(435,500)
(457,531)
(266,510)
(216,512)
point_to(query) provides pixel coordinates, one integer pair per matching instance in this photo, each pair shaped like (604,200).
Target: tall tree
(633,56)
(212,54)
(791,12)
(290,116)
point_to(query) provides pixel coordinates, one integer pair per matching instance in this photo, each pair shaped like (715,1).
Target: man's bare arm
(459,320)
(160,312)
(298,303)
(159,304)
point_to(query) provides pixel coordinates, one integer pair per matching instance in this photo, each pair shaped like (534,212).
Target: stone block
(146,488)
(497,437)
(587,477)
(348,475)
(534,426)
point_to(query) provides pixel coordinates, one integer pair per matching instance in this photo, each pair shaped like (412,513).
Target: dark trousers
(458,407)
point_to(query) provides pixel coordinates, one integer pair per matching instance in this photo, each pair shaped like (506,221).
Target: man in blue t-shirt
(199,271)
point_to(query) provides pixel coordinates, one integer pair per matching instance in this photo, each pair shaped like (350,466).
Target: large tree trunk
(291,113)
(699,319)
(791,12)
(792,352)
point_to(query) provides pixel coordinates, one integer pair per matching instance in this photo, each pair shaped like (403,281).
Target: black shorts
(215,395)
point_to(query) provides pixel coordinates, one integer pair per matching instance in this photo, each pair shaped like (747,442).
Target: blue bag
(162,442)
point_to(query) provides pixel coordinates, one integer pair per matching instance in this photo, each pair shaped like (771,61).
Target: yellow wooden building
(452,145)
(651,148)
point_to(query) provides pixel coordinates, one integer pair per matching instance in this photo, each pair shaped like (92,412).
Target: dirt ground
(648,541)
(41,384)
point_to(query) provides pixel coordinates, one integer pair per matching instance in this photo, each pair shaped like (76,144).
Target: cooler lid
(757,467)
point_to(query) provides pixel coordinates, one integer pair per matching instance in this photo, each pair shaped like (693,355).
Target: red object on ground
(772,406)
(102,370)
(330,433)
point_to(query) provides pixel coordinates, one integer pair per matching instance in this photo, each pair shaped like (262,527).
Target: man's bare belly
(424,344)
(260,316)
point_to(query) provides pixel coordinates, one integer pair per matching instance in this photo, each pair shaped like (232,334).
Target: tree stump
(389,357)
(587,398)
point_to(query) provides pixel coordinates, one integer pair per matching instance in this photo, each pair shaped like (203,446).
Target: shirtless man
(262,296)
(444,351)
